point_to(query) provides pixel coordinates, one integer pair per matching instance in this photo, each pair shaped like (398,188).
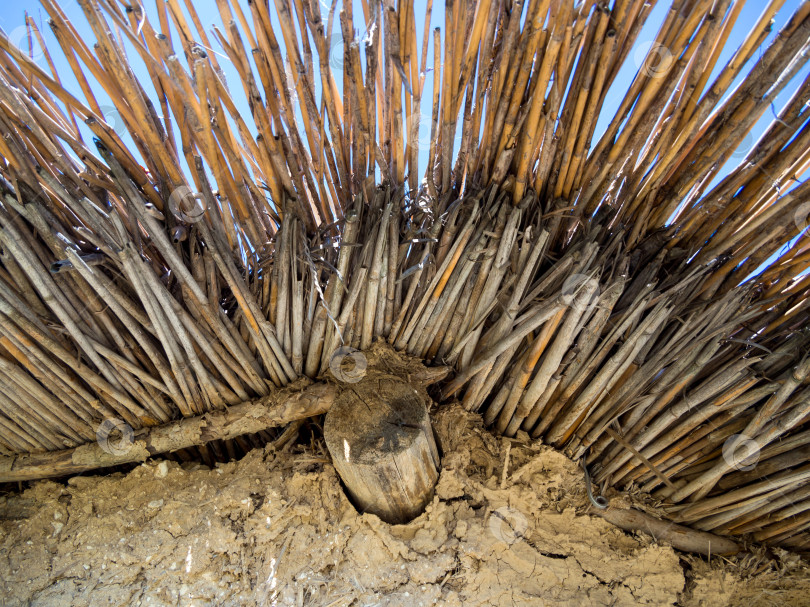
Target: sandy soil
(276,529)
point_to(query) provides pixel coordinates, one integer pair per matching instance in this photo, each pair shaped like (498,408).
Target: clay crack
(604,582)
(553,555)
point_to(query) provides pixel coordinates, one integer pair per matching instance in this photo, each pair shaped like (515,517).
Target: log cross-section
(382,445)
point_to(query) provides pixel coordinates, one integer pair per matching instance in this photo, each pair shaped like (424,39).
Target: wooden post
(381,441)
(680,537)
(299,400)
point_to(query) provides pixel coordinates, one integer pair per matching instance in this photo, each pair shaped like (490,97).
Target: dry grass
(205,266)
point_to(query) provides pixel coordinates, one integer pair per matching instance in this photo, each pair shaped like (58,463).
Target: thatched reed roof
(592,294)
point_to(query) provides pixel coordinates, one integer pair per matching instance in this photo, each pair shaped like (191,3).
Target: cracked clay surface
(276,529)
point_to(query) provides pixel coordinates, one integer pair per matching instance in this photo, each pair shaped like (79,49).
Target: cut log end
(381,441)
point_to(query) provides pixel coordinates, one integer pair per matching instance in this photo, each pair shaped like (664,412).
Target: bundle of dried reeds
(177,277)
